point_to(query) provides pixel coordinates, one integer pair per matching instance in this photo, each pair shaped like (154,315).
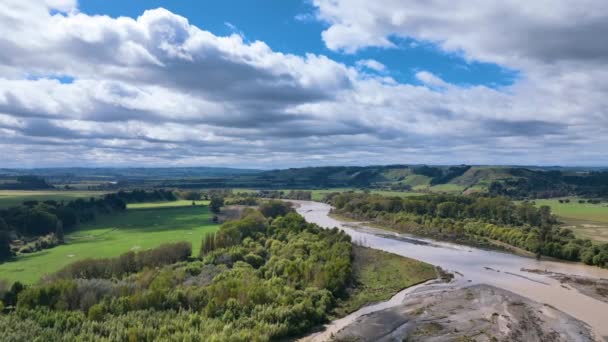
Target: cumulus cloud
(157,90)
(495,31)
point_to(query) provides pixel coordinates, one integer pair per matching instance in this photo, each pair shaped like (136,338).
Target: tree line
(474,220)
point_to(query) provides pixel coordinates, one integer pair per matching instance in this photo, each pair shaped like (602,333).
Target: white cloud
(157,90)
(430,79)
(371,64)
(509,32)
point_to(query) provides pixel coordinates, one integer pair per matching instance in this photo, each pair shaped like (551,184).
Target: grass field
(585,219)
(451,188)
(142,226)
(10,198)
(380,275)
(152,205)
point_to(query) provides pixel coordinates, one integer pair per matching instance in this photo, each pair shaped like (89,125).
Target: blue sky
(273,84)
(290,26)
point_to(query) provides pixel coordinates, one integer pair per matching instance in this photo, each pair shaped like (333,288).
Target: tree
(59,232)
(190,195)
(216,204)
(5,246)
(275,208)
(96,312)
(40,222)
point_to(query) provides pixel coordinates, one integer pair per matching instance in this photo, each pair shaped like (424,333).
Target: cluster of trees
(139,195)
(471,219)
(273,278)
(499,210)
(195,195)
(241,200)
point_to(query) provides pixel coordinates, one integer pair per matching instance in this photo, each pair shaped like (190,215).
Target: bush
(275,208)
(96,313)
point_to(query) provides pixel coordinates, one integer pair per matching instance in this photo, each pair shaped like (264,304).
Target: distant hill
(513,181)
(519,182)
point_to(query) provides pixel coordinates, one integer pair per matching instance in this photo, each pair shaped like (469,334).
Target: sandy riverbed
(475,313)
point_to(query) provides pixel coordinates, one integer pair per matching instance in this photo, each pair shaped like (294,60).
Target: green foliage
(275,208)
(96,313)
(263,279)
(190,195)
(5,246)
(216,204)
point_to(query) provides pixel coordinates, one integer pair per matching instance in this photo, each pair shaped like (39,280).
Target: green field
(10,198)
(585,219)
(142,226)
(152,205)
(452,188)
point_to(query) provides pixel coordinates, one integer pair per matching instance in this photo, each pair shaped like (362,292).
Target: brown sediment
(593,287)
(476,313)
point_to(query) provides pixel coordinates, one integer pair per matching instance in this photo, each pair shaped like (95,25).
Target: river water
(477,266)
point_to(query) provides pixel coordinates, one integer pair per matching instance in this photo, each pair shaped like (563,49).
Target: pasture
(142,226)
(585,219)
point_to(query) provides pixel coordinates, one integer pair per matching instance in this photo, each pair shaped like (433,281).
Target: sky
(273,84)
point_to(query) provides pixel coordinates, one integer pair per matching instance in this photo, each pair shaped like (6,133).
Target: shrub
(96,313)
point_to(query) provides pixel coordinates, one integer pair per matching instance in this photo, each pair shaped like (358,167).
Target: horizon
(310,166)
(347,82)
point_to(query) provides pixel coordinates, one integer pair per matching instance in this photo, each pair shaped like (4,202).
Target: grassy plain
(585,219)
(380,275)
(10,198)
(142,226)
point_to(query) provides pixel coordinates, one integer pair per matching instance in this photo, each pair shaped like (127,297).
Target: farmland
(585,219)
(142,226)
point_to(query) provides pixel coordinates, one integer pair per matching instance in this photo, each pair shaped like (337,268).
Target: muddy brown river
(475,266)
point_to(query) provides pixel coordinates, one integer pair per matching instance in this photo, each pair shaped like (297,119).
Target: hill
(512,181)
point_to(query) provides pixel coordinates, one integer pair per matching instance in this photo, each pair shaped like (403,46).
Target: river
(478,266)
